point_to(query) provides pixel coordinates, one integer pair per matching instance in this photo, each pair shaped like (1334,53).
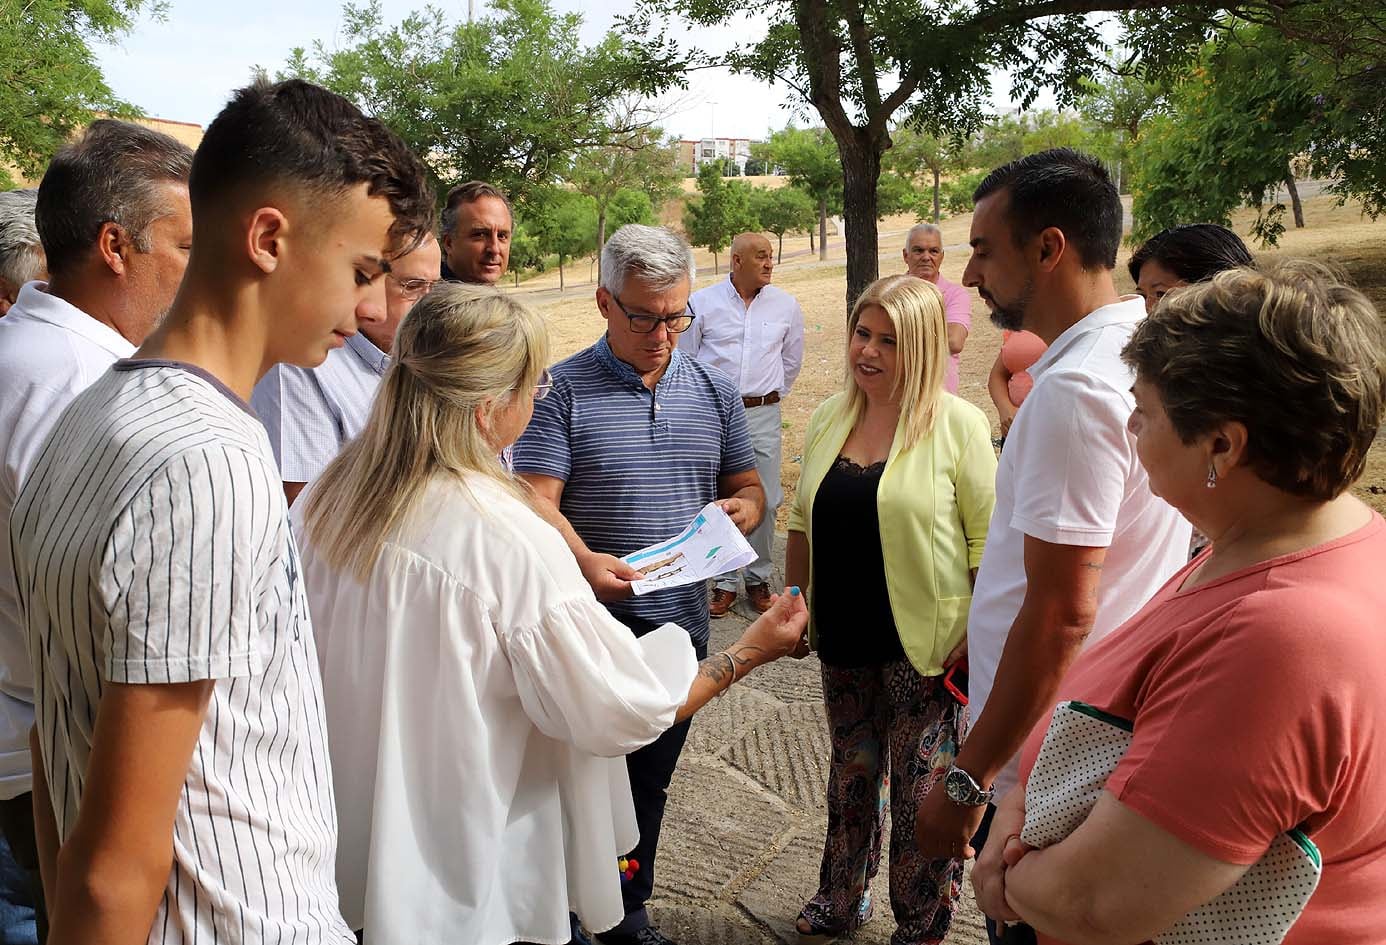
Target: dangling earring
(1212,476)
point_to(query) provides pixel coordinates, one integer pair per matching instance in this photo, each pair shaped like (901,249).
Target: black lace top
(851,608)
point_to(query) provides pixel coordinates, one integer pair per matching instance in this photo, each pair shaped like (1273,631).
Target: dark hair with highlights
(1065,189)
(1293,353)
(301,135)
(1193,252)
(112,174)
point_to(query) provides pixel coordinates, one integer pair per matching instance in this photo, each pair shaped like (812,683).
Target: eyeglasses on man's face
(413,289)
(642,323)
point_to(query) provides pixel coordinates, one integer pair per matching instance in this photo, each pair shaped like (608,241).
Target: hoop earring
(1212,476)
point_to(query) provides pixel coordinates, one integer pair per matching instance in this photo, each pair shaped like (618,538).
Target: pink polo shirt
(957,307)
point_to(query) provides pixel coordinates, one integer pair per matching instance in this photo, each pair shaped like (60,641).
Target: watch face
(959,788)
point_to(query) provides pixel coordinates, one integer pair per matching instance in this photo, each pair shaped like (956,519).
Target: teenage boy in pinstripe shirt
(179,715)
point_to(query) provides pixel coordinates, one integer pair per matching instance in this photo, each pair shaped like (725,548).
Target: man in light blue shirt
(310,413)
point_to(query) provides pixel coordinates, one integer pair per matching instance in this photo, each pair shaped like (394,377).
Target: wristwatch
(964,790)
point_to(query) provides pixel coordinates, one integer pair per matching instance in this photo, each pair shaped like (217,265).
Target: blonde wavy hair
(463,353)
(915,307)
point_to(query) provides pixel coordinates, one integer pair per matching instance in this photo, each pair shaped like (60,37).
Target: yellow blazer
(934,504)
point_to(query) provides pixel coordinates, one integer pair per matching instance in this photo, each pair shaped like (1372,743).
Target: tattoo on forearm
(1093,565)
(717,669)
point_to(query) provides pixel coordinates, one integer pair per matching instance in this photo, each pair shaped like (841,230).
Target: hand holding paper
(709,546)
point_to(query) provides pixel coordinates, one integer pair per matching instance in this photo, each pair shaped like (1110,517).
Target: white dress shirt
(1069,475)
(479,702)
(760,346)
(50,352)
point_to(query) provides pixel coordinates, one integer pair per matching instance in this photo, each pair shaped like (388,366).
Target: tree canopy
(813,165)
(866,64)
(50,83)
(509,98)
(722,211)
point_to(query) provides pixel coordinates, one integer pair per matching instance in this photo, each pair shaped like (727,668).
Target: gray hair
(923,228)
(112,174)
(656,255)
(21,253)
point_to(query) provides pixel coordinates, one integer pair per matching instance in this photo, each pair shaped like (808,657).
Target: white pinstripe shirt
(151,545)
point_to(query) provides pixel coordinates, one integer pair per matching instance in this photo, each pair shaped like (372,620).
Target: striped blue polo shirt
(638,464)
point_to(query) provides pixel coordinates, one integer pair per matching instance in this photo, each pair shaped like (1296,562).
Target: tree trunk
(560,272)
(779,258)
(861,170)
(1295,205)
(601,239)
(715,270)
(810,235)
(822,229)
(936,176)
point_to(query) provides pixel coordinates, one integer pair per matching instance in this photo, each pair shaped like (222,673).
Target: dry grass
(1333,234)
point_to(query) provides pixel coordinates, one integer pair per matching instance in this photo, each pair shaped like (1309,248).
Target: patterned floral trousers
(893,733)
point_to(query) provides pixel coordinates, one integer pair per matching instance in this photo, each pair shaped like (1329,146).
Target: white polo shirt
(760,346)
(50,352)
(1069,476)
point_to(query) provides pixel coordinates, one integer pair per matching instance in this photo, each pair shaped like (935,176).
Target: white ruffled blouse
(479,701)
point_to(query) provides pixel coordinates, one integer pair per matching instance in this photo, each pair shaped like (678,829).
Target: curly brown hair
(1292,352)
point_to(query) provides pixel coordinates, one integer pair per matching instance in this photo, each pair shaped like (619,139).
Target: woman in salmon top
(1256,678)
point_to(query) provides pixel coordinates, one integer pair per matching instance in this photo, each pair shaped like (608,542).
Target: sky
(183,68)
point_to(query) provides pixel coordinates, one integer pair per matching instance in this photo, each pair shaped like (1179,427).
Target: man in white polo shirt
(112,213)
(1077,543)
(310,413)
(753,333)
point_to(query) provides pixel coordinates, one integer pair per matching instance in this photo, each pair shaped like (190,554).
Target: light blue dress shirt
(310,413)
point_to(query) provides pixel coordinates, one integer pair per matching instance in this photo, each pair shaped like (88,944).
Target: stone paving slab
(727,718)
(787,751)
(712,924)
(718,829)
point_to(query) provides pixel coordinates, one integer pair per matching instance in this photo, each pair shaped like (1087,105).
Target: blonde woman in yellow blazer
(886,532)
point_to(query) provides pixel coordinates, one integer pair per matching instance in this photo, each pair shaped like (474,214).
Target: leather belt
(771,398)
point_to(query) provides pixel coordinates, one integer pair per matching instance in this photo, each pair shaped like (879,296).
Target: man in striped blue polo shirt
(632,441)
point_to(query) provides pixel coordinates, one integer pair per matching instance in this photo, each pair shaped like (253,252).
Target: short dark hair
(470,192)
(298,134)
(1293,353)
(1065,189)
(111,174)
(1193,252)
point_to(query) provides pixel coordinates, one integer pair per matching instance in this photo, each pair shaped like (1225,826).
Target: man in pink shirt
(924,258)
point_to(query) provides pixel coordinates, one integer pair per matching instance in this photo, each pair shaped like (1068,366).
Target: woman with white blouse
(479,699)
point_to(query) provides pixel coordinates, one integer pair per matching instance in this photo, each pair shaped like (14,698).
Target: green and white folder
(1081,749)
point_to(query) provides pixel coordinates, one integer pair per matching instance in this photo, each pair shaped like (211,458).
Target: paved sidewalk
(743,834)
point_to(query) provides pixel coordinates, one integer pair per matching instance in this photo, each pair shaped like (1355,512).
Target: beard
(1011,316)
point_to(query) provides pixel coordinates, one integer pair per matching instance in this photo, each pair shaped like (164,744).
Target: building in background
(694,152)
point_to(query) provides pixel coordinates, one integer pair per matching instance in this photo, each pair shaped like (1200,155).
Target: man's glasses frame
(643,323)
(413,289)
(541,389)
